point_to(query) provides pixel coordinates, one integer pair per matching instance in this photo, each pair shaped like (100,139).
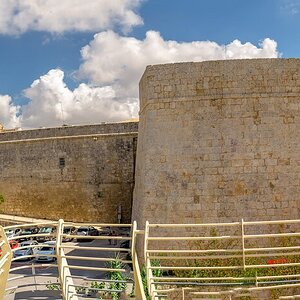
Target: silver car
(47,252)
(31,249)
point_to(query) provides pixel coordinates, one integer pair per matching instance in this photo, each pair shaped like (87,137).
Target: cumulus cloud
(9,113)
(56,16)
(52,103)
(111,59)
(113,65)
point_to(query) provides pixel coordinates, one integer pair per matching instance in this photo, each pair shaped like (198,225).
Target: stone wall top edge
(73,137)
(224,62)
(264,63)
(102,128)
(223,77)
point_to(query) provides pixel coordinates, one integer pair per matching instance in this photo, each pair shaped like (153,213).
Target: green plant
(118,276)
(97,285)
(155,272)
(144,281)
(53,286)
(2,199)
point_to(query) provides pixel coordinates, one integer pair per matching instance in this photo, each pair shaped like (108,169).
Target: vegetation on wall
(2,200)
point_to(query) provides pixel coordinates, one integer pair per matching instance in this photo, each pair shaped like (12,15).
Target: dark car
(69,230)
(86,231)
(125,245)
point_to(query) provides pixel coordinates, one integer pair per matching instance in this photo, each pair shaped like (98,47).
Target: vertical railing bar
(243,244)
(59,232)
(146,257)
(139,289)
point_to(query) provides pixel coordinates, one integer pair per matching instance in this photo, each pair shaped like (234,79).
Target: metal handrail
(5,261)
(63,265)
(171,246)
(247,246)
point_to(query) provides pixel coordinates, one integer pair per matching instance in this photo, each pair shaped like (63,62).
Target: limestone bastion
(219,141)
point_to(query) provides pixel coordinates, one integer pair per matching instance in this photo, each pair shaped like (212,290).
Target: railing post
(150,281)
(243,244)
(147,260)
(59,232)
(5,261)
(139,288)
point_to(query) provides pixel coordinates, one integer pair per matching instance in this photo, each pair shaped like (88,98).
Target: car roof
(50,243)
(28,242)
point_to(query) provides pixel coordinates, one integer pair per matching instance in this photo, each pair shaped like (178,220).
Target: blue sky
(48,51)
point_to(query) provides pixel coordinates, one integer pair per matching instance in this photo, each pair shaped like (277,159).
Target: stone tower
(219,141)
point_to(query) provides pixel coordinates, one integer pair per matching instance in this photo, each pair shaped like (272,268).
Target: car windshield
(83,229)
(27,243)
(46,248)
(45,230)
(26,231)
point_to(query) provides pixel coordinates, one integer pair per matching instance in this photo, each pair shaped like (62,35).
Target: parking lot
(38,280)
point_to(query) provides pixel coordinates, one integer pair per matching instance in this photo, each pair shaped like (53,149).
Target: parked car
(47,232)
(10,233)
(32,248)
(48,249)
(26,231)
(70,230)
(125,245)
(104,230)
(86,231)
(13,245)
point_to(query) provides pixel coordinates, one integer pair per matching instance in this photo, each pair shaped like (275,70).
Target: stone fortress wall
(219,141)
(79,173)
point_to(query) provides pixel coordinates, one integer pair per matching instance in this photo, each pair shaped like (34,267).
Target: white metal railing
(5,261)
(190,261)
(222,259)
(80,268)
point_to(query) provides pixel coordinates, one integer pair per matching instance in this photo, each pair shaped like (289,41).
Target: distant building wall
(219,141)
(79,173)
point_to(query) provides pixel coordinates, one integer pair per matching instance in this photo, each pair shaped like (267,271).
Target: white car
(32,248)
(46,252)
(10,233)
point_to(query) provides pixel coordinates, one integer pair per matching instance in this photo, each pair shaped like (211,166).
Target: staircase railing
(5,261)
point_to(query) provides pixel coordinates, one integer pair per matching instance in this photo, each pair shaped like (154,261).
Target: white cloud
(52,103)
(56,16)
(9,112)
(111,59)
(113,65)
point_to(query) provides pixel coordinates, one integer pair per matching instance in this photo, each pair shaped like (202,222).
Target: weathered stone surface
(219,141)
(79,173)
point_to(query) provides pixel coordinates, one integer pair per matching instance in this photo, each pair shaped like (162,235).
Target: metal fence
(223,260)
(258,260)
(107,265)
